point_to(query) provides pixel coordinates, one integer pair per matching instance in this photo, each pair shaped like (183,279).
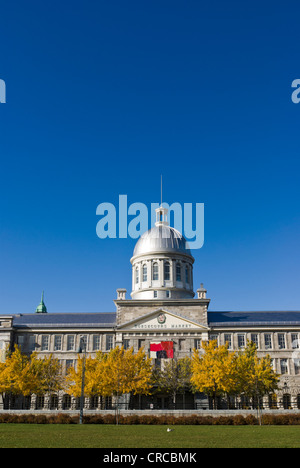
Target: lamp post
(285,397)
(82,349)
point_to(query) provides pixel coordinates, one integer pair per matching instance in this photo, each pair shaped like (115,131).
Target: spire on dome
(161,212)
(41,308)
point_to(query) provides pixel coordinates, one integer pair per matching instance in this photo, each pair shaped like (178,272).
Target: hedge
(237,420)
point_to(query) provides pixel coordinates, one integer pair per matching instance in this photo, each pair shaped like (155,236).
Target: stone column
(161,272)
(33,402)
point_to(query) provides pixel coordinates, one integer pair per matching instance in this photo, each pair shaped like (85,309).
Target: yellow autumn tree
(123,371)
(21,374)
(115,373)
(48,374)
(256,376)
(213,370)
(74,377)
(15,375)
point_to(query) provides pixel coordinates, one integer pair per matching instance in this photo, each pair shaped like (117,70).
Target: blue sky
(103,98)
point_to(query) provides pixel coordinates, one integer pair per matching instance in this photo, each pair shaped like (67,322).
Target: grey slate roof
(108,319)
(229,319)
(66,320)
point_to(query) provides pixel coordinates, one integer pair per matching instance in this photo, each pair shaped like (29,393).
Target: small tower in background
(41,308)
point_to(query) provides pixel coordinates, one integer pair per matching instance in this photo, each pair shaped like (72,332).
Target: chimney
(121,294)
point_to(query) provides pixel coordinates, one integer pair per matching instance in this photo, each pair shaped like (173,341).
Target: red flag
(164,349)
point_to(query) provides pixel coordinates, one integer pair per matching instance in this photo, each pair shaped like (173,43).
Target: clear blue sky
(105,96)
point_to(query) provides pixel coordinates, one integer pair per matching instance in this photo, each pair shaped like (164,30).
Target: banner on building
(162,350)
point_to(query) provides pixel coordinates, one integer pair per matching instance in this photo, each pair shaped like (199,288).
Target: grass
(108,436)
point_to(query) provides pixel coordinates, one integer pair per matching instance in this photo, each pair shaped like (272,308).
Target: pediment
(162,319)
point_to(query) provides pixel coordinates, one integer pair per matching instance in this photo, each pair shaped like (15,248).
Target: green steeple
(41,308)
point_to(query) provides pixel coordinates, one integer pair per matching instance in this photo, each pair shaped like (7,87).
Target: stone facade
(162,309)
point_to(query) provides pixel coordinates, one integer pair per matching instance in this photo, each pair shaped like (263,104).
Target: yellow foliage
(117,372)
(213,370)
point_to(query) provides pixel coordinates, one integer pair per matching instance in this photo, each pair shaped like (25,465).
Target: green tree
(174,378)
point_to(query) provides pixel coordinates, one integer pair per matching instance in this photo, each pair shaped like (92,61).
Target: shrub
(251,420)
(40,419)
(93,419)
(147,419)
(223,421)
(239,420)
(109,419)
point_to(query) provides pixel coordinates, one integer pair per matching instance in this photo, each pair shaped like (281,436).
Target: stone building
(163,309)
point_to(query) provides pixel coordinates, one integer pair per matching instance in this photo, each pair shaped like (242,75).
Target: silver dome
(162,239)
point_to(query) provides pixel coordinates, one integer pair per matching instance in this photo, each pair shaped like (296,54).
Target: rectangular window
(197,343)
(155,272)
(96,342)
(57,342)
(126,343)
(178,272)
(273,364)
(83,342)
(45,343)
(20,341)
(145,273)
(228,340)
(297,366)
(283,366)
(187,275)
(141,343)
(281,341)
(295,341)
(268,341)
(167,271)
(154,294)
(241,341)
(213,338)
(254,339)
(109,342)
(69,363)
(70,342)
(31,343)
(181,343)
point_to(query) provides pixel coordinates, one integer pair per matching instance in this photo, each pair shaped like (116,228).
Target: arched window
(137,276)
(144,272)
(155,272)
(167,271)
(178,272)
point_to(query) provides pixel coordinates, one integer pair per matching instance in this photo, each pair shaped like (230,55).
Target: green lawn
(107,436)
